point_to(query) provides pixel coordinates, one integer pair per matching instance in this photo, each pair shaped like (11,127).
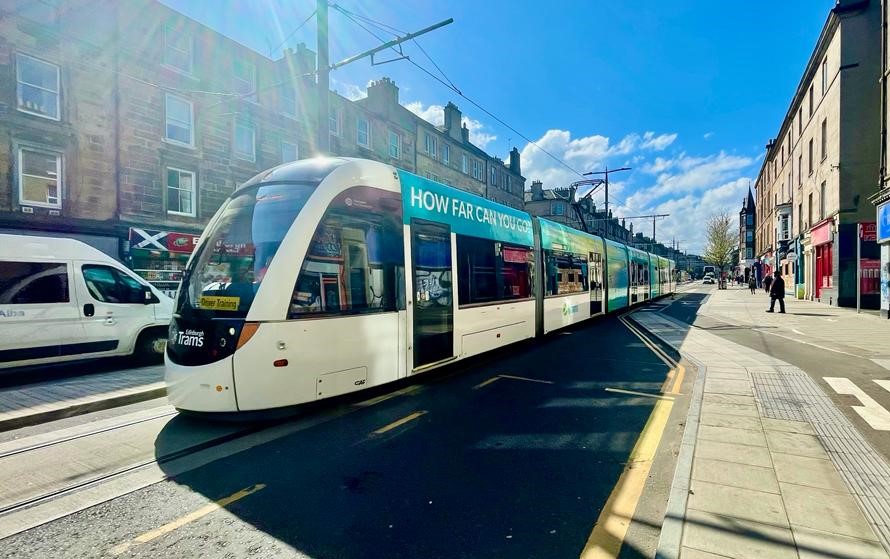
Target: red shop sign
(821,234)
(182,242)
(868,231)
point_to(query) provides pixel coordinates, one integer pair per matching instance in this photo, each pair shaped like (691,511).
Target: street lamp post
(605,173)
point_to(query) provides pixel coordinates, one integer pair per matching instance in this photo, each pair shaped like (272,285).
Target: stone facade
(881,198)
(154,134)
(812,186)
(559,205)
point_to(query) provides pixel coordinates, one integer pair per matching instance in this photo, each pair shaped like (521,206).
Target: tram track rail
(74,437)
(12,508)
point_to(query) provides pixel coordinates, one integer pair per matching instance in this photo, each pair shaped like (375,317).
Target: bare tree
(722,240)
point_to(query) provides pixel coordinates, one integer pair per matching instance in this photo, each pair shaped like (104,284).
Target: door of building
(433,292)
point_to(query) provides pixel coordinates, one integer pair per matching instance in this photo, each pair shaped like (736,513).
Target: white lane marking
(796,331)
(635,393)
(883,363)
(807,343)
(872,412)
(885,384)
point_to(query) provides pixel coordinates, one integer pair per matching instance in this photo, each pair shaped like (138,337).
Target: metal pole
(324,85)
(858,266)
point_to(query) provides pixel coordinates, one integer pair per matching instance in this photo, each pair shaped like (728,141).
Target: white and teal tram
(331,275)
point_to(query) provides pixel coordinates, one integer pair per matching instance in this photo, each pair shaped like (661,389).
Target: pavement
(772,464)
(49,400)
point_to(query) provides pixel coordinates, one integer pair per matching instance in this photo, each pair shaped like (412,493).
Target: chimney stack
(453,119)
(514,162)
(537,190)
(465,134)
(382,95)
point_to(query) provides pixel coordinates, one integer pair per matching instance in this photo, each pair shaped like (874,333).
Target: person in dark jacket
(767,281)
(777,293)
(752,284)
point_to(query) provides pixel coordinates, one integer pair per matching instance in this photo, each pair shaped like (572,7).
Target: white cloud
(351,91)
(435,115)
(688,187)
(707,135)
(657,143)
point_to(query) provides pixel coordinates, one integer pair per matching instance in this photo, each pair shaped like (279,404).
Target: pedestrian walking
(752,285)
(777,293)
(767,281)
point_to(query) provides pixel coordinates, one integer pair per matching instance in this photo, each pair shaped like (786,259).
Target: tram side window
(355,259)
(566,273)
(491,271)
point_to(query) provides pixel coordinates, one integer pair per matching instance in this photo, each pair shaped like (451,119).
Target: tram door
(433,292)
(596,283)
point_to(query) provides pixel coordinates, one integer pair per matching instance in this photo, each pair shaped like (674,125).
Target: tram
(331,275)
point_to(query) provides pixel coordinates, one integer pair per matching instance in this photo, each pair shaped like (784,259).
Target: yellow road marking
(486,383)
(635,393)
(403,392)
(611,527)
(655,349)
(182,521)
(513,377)
(678,381)
(399,422)
(528,379)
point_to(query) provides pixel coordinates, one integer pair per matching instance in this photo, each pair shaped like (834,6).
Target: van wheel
(150,346)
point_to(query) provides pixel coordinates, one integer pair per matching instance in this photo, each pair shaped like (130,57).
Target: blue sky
(685,92)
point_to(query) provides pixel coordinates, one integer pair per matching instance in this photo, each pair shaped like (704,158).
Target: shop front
(882,235)
(822,241)
(160,256)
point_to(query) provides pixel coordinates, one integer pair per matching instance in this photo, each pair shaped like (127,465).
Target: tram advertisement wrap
(466,213)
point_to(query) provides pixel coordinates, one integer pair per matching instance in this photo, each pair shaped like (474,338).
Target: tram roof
(304,170)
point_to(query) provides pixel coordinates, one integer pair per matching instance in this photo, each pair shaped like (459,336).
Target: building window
(799,170)
(334,121)
(477,170)
(799,122)
(749,253)
(37,87)
(180,192)
(245,140)
(430,145)
(749,220)
(800,219)
(40,178)
(289,151)
(178,50)
(363,132)
(824,139)
(822,201)
(244,79)
(559,208)
(288,101)
(811,100)
(464,164)
(810,156)
(493,178)
(180,121)
(810,210)
(395,145)
(749,236)
(446,154)
(824,76)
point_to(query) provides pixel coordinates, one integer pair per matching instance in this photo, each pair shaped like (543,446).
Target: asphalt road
(818,363)
(463,466)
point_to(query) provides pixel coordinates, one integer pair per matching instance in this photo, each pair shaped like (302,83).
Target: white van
(63,300)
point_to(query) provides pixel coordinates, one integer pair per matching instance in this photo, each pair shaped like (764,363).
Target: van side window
(33,283)
(108,285)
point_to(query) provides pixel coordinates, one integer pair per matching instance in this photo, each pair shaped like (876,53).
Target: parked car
(709,278)
(63,300)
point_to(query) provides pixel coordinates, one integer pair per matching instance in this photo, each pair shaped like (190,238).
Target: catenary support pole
(324,79)
(858,267)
